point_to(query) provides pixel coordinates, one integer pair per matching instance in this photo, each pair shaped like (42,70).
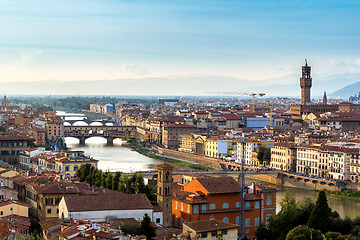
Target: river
(113,158)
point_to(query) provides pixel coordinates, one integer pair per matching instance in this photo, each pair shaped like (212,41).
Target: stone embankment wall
(202,160)
(283,180)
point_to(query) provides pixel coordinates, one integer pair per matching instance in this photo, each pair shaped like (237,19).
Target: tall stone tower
(305,84)
(164,191)
(325,99)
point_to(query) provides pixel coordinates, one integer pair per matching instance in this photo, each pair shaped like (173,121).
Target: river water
(113,158)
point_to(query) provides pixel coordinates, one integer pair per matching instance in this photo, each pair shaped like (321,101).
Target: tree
(304,233)
(129,228)
(262,233)
(264,155)
(146,228)
(286,219)
(267,156)
(108,180)
(320,216)
(116,179)
(334,236)
(261,153)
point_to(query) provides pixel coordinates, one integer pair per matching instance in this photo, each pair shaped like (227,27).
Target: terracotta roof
(13,138)
(230,116)
(219,185)
(209,225)
(8,201)
(110,201)
(175,125)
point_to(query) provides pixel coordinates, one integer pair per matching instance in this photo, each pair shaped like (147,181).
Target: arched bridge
(89,122)
(108,132)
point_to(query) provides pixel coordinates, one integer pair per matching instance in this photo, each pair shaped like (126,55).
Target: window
(268,200)
(247,222)
(247,205)
(204,235)
(213,233)
(188,208)
(247,231)
(157,220)
(225,205)
(238,220)
(257,205)
(49,210)
(182,206)
(76,167)
(1,213)
(257,221)
(238,204)
(11,209)
(67,168)
(196,208)
(212,206)
(176,204)
(224,231)
(225,219)
(203,208)
(268,216)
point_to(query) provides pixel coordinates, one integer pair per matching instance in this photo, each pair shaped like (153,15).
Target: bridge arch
(96,123)
(67,123)
(80,123)
(72,140)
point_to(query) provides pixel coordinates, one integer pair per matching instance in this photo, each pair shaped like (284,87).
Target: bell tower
(164,192)
(305,84)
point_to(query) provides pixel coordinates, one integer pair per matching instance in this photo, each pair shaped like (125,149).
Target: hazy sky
(112,39)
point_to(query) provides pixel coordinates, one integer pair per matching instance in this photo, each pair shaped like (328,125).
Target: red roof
(175,125)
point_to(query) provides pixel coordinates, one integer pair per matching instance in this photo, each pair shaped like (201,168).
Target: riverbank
(347,194)
(149,153)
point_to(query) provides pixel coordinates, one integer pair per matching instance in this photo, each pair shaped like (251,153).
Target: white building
(308,160)
(25,161)
(98,207)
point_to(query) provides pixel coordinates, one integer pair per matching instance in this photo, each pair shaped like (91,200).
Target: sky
(71,40)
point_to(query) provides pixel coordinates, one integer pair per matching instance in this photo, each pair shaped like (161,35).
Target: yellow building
(172,132)
(283,157)
(11,207)
(211,147)
(210,229)
(4,172)
(71,161)
(54,128)
(187,143)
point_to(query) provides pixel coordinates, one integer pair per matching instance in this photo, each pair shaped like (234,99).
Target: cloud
(27,57)
(357,62)
(134,69)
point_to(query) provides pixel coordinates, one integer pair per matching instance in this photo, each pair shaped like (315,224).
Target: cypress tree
(320,216)
(146,228)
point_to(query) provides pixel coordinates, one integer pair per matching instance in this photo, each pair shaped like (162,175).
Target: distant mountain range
(287,86)
(347,91)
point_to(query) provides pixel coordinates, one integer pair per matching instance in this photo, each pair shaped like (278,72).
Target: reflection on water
(345,207)
(113,158)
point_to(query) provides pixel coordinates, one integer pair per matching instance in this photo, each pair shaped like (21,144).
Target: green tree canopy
(320,217)
(304,233)
(146,228)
